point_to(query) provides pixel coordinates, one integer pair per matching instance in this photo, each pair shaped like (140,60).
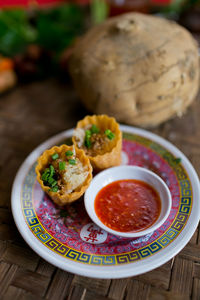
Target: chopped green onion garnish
(72,161)
(94,129)
(47,177)
(55,156)
(54,183)
(87,143)
(88,133)
(109,134)
(45,174)
(51,180)
(54,189)
(52,170)
(69,153)
(62,165)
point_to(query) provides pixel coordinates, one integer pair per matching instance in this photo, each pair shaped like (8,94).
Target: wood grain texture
(29,115)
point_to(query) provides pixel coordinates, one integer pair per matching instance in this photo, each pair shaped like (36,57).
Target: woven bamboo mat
(28,116)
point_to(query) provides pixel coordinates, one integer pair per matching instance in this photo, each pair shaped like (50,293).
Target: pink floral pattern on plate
(65,224)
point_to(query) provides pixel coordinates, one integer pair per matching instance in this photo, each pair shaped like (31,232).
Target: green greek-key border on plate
(180,220)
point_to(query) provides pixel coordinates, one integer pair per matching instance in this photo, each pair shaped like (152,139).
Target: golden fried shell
(61,196)
(110,154)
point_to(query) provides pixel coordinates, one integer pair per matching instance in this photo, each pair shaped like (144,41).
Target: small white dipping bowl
(128,172)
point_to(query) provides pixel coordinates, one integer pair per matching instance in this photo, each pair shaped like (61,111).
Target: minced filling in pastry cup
(101,139)
(64,173)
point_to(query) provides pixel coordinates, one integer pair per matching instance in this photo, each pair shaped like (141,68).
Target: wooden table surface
(29,115)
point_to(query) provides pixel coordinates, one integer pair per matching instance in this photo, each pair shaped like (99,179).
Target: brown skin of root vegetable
(140,69)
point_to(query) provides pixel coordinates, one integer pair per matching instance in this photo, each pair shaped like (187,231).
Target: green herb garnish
(109,134)
(72,161)
(69,153)
(62,165)
(94,129)
(87,141)
(48,173)
(52,170)
(54,183)
(88,133)
(45,174)
(55,156)
(49,180)
(54,189)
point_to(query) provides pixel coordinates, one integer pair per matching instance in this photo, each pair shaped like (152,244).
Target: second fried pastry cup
(111,154)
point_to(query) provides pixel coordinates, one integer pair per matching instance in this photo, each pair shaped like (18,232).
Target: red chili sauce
(128,205)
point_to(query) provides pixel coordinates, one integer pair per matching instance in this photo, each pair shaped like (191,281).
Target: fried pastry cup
(110,154)
(59,197)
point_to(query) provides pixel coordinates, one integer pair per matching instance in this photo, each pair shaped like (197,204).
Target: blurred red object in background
(117,7)
(8,3)
(27,3)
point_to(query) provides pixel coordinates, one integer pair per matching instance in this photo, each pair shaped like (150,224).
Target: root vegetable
(141,69)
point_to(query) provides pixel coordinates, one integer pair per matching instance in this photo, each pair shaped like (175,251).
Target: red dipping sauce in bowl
(128,205)
(128,201)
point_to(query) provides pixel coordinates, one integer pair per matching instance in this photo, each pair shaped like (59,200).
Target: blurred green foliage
(15,32)
(176,8)
(57,28)
(99,11)
(53,29)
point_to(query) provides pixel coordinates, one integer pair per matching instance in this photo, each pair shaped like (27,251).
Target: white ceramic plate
(68,239)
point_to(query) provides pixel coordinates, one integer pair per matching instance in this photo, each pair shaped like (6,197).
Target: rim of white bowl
(91,211)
